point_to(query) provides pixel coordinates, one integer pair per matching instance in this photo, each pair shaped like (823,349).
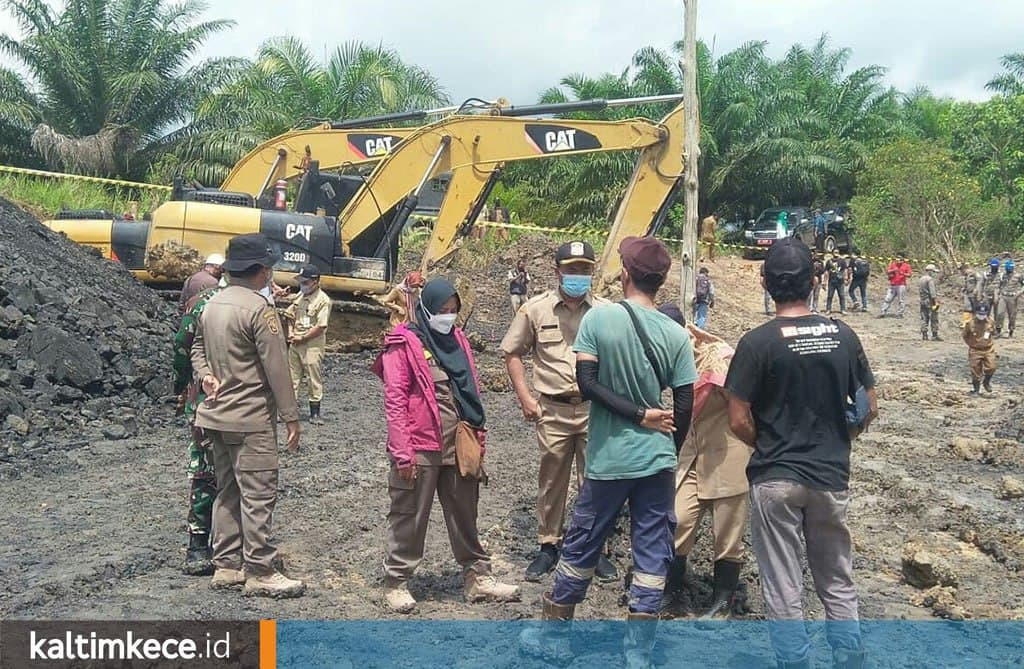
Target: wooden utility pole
(691,152)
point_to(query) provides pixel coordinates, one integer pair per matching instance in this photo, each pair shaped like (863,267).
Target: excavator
(349,225)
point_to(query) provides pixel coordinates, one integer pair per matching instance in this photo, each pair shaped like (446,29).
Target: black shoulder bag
(645,343)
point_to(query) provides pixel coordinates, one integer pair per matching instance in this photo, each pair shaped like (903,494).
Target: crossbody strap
(645,343)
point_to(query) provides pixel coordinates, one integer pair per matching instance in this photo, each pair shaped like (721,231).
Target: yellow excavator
(349,225)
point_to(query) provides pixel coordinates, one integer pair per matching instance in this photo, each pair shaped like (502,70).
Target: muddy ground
(97,529)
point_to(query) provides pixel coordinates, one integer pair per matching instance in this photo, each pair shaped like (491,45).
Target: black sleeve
(744,371)
(863,376)
(595,391)
(682,412)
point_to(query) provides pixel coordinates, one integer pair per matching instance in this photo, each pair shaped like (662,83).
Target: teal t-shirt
(618,448)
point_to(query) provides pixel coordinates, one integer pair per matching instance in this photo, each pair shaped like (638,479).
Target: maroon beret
(645,258)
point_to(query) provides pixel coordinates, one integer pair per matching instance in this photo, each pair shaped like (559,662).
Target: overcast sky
(517,48)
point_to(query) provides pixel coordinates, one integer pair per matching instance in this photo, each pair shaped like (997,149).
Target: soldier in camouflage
(203,481)
(1010,288)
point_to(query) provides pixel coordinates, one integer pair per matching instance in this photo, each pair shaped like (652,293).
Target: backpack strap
(645,343)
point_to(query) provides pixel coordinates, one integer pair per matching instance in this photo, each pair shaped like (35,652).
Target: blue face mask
(575,285)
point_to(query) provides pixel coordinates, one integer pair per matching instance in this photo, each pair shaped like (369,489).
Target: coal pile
(85,349)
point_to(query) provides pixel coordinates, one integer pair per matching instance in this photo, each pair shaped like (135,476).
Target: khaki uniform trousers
(562,437)
(411,502)
(728,519)
(306,359)
(247,466)
(983,362)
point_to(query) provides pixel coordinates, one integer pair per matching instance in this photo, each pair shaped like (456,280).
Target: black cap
(574,252)
(244,251)
(981,310)
(309,272)
(788,257)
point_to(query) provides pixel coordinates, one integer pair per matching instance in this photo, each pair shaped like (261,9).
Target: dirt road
(96,530)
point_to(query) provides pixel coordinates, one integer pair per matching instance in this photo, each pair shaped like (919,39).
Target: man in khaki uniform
(707,235)
(239,358)
(546,327)
(307,337)
(402,299)
(979,335)
(711,477)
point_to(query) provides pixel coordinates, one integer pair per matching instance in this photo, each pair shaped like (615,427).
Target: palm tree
(110,77)
(1010,82)
(286,87)
(18,113)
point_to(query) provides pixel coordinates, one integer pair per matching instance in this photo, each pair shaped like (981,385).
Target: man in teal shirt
(626,355)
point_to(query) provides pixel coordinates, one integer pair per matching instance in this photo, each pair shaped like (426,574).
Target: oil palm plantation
(286,87)
(107,79)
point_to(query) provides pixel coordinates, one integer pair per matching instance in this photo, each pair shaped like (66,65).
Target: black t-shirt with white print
(798,374)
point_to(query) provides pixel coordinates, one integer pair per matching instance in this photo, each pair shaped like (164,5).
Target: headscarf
(712,356)
(446,349)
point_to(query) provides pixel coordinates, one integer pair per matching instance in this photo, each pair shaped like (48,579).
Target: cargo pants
(652,533)
(784,516)
(929,318)
(247,474)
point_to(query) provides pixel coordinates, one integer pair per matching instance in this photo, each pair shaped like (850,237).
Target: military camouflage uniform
(203,481)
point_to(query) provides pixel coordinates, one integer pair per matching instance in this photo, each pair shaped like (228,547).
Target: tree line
(113,88)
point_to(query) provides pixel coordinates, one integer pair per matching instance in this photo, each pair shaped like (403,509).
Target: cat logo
(293,230)
(372,145)
(378,146)
(562,140)
(559,139)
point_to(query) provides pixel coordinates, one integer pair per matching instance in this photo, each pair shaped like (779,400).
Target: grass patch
(44,197)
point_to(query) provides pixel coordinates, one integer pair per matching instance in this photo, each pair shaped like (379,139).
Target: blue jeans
(651,532)
(700,314)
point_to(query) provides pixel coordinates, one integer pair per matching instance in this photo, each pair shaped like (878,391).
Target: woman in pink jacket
(430,384)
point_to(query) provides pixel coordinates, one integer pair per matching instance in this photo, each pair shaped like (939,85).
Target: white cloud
(519,48)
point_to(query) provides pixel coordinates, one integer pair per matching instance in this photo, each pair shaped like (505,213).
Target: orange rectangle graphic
(268,644)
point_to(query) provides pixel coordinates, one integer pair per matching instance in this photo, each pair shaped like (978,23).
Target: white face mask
(267,291)
(440,323)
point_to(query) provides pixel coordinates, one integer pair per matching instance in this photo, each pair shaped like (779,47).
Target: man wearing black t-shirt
(791,383)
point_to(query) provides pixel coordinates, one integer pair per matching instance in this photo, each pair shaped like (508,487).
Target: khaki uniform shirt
(707,229)
(717,454)
(239,340)
(308,312)
(979,338)
(546,327)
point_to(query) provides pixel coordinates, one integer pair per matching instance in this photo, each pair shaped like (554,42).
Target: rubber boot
(987,383)
(197,556)
(924,336)
(977,387)
(844,658)
(727,579)
(639,639)
(675,581)
(549,640)
(314,414)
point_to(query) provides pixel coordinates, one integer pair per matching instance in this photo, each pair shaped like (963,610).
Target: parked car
(767,229)
(799,223)
(731,232)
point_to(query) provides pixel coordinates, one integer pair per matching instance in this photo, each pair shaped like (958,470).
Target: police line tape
(78,177)
(570,231)
(576,230)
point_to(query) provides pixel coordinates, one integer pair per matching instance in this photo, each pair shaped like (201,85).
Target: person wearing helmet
(990,284)
(929,303)
(207,277)
(403,297)
(979,335)
(1010,288)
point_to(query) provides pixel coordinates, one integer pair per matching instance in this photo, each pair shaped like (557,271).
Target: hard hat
(1009,265)
(931,268)
(993,262)
(214,259)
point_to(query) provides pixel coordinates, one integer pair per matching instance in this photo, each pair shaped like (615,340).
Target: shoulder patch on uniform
(270,315)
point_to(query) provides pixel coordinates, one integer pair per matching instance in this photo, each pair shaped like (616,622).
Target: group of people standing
(762,432)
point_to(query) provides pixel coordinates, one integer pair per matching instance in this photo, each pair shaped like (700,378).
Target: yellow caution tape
(78,177)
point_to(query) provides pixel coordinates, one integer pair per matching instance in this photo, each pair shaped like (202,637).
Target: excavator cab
(330,192)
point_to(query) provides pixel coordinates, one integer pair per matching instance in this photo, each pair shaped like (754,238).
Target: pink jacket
(410,405)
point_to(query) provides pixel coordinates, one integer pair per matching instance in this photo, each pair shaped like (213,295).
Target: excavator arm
(285,156)
(475,144)
(657,178)
(655,181)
